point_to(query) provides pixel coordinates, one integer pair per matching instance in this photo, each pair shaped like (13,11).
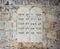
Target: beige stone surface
(50,28)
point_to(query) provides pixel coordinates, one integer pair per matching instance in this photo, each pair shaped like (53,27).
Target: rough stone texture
(51,28)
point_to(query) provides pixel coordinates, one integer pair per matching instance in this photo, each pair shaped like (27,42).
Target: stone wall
(51,29)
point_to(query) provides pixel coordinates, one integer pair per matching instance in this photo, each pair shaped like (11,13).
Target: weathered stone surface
(51,27)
